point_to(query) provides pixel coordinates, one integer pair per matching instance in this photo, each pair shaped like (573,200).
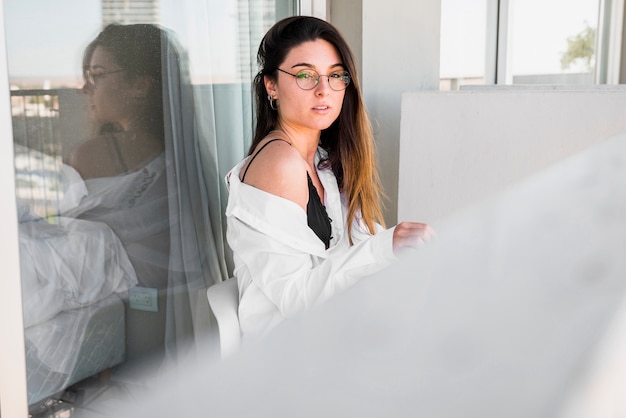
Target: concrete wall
(398,45)
(460,147)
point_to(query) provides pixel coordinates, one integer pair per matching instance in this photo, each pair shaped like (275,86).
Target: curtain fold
(196,256)
(208,129)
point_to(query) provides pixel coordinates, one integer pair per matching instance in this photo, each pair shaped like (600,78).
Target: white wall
(460,147)
(13,402)
(398,46)
(400,53)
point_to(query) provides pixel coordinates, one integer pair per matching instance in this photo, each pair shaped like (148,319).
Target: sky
(43,41)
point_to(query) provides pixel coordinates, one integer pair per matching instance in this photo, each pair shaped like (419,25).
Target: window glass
(126,117)
(552,42)
(463,43)
(526,42)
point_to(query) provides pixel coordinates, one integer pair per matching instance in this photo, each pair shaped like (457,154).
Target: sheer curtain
(196,251)
(207,92)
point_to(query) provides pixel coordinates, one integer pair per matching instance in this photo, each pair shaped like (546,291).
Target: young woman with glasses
(304,211)
(122,72)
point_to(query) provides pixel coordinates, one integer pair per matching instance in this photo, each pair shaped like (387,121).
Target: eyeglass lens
(91,77)
(308,79)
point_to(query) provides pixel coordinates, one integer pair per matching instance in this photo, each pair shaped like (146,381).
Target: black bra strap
(257,153)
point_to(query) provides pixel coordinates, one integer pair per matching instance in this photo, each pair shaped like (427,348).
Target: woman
(304,210)
(145,179)
(124,166)
(122,71)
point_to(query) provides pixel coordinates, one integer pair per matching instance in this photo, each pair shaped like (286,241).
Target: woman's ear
(270,86)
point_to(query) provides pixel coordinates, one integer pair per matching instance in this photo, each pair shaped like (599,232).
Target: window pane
(463,42)
(552,42)
(123,135)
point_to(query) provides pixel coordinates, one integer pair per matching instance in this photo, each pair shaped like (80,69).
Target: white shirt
(281,266)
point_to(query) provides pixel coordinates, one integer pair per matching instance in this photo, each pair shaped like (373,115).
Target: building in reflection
(130,11)
(255,17)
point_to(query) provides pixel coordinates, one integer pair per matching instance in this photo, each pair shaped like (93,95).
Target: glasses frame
(317,80)
(91,78)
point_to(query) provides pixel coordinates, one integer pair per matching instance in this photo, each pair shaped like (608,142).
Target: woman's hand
(410,235)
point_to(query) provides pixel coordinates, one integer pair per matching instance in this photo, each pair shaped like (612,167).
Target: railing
(35,115)
(38,151)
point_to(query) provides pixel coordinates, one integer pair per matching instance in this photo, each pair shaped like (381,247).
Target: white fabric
(57,343)
(65,263)
(281,266)
(69,264)
(196,255)
(74,188)
(135,207)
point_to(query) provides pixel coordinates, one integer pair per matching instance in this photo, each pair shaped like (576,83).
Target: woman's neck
(305,142)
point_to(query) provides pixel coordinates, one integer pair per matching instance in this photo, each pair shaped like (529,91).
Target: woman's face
(314,109)
(110,94)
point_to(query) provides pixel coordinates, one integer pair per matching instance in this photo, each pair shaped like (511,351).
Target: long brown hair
(138,50)
(349,140)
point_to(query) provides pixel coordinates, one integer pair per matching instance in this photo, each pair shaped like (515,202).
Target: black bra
(317,217)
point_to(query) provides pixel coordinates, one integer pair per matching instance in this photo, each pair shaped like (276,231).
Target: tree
(580,49)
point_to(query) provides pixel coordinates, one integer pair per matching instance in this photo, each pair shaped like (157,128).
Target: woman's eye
(304,75)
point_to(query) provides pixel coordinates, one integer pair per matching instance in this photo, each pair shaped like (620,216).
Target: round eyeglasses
(309,79)
(92,77)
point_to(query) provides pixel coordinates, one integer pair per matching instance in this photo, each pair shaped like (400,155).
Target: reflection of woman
(304,211)
(122,69)
(124,165)
(144,175)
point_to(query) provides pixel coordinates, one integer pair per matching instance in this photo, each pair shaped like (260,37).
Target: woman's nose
(87,88)
(323,86)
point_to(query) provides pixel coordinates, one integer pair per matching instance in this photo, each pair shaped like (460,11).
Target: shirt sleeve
(295,280)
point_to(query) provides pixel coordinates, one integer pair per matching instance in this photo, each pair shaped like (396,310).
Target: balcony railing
(38,150)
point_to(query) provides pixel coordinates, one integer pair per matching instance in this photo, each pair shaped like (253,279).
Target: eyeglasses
(309,79)
(92,77)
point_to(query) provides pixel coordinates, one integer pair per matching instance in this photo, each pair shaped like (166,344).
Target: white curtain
(196,247)
(209,122)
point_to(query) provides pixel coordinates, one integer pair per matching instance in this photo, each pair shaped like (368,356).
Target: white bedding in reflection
(66,263)
(71,270)
(69,263)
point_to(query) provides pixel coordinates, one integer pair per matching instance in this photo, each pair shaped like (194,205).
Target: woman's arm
(295,280)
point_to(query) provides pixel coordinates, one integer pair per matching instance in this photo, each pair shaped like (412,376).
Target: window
(529,42)
(463,43)
(126,117)
(551,42)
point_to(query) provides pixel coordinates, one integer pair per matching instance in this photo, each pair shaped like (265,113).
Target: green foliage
(580,49)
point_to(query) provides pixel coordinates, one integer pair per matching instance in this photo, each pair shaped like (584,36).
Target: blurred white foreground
(515,310)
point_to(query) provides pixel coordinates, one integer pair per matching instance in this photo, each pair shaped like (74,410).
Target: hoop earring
(273,102)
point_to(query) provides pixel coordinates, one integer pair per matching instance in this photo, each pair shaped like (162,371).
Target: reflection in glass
(112,264)
(122,138)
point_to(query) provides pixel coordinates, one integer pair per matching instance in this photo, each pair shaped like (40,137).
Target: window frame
(317,8)
(608,44)
(13,391)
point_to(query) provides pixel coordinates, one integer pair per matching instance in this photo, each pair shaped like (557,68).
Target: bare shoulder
(278,169)
(87,158)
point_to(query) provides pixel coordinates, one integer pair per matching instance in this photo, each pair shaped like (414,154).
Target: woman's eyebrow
(304,64)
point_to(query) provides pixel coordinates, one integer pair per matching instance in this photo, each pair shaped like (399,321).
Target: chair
(224,302)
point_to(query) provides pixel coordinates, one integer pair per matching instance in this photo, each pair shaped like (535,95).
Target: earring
(273,102)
